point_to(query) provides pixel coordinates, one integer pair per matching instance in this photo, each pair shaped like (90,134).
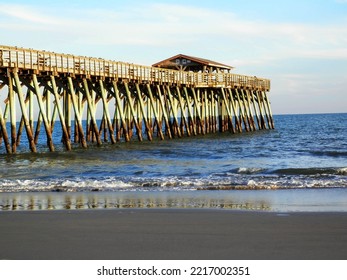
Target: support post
(230,117)
(198,111)
(247,110)
(120,111)
(131,104)
(183,114)
(78,114)
(145,119)
(43,114)
(271,123)
(190,114)
(241,106)
(66,138)
(24,113)
(238,124)
(164,112)
(4,133)
(106,112)
(262,120)
(207,112)
(92,111)
(174,111)
(255,110)
(12,112)
(160,132)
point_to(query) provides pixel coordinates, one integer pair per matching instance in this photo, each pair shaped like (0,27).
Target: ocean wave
(342,171)
(249,170)
(329,153)
(311,171)
(62,185)
(173,183)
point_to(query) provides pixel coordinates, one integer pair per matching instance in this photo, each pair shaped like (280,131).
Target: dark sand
(172,234)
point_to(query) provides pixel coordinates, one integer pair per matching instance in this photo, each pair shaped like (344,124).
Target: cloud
(297,56)
(178,25)
(27,14)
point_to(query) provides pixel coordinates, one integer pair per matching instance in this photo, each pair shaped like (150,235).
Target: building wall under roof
(188,63)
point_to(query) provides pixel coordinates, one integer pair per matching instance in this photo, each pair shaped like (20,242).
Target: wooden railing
(43,61)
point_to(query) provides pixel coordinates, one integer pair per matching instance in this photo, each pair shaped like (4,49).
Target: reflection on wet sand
(66,201)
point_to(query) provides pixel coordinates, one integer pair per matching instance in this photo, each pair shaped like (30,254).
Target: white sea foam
(342,171)
(251,183)
(249,170)
(174,183)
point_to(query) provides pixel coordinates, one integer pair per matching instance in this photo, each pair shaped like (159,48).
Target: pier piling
(118,101)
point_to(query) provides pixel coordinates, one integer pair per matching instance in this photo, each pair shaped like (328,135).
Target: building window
(177,61)
(184,61)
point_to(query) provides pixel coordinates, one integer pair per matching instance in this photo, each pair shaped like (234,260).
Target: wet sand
(172,234)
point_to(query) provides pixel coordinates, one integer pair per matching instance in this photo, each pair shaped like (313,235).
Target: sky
(300,45)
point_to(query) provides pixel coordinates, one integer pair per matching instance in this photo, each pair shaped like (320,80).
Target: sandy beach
(172,234)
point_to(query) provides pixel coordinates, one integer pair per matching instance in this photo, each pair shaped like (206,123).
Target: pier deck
(133,101)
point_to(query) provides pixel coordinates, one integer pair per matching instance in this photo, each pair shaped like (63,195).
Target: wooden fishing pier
(181,96)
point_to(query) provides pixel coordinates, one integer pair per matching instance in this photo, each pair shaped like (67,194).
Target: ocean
(301,165)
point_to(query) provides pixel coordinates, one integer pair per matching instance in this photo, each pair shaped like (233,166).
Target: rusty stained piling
(131,101)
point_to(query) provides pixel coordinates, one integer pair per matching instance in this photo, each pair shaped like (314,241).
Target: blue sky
(300,45)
